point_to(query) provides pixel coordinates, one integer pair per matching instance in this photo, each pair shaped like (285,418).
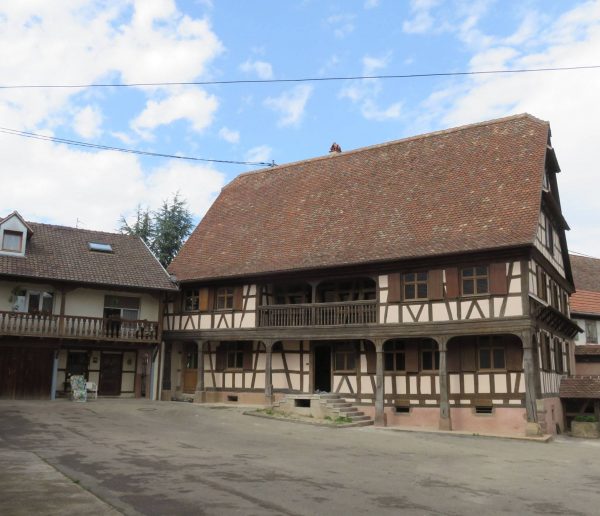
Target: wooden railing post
(379,385)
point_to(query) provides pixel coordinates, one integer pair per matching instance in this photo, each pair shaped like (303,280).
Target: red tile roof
(585,302)
(587,349)
(475,187)
(586,272)
(60,253)
(580,387)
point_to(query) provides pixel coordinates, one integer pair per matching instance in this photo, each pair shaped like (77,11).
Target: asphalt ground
(142,457)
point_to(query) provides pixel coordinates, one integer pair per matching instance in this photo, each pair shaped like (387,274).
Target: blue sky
(82,41)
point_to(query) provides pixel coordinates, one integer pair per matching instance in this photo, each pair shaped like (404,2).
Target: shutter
(411,353)
(221,361)
(498,280)
(211,299)
(203,300)
(238,298)
(452,289)
(514,356)
(394,288)
(468,354)
(371,356)
(544,351)
(247,356)
(435,286)
(453,359)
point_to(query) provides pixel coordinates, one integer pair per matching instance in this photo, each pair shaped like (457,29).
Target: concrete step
(338,404)
(348,410)
(360,418)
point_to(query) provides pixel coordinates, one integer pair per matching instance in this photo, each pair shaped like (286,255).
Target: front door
(190,370)
(110,374)
(322,365)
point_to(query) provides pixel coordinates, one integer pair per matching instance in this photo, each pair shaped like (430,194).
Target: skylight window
(100,247)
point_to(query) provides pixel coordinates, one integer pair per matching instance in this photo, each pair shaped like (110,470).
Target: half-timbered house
(425,279)
(81,302)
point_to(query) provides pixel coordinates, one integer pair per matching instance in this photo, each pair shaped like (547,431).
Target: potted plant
(585,425)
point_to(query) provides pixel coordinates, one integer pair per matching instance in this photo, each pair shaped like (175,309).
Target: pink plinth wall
(553,415)
(504,420)
(587,368)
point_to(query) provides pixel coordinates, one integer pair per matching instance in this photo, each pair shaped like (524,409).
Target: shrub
(586,418)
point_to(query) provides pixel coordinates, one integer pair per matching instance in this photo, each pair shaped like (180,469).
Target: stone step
(347,410)
(336,404)
(360,418)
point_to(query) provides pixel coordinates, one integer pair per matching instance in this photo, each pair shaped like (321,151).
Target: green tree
(165,230)
(142,226)
(173,223)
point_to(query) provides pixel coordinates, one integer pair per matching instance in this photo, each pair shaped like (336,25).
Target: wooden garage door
(25,373)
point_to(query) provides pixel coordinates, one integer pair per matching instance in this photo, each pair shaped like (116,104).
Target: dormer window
(12,241)
(99,247)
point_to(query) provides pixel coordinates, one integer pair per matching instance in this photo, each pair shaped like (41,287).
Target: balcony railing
(318,314)
(77,327)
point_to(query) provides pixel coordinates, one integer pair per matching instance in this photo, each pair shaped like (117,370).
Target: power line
(302,79)
(44,137)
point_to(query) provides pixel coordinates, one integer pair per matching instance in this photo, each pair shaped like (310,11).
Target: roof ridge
(431,134)
(71,228)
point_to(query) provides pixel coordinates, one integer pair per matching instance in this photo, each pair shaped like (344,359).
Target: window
(415,285)
(235,355)
(100,247)
(345,357)
(491,356)
(12,241)
(546,353)
(430,357)
(121,307)
(549,237)
(191,300)
(475,280)
(558,356)
(224,298)
(542,284)
(191,356)
(591,332)
(394,359)
(40,302)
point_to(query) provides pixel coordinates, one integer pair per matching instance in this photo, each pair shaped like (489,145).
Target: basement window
(232,398)
(100,247)
(302,403)
(402,409)
(484,409)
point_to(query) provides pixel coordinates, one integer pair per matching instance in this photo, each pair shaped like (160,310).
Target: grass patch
(342,420)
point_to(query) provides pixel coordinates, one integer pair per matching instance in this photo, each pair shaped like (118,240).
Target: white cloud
(261,153)
(262,69)
(290,104)
(95,187)
(422,20)
(370,4)
(194,105)
(365,92)
(229,135)
(88,121)
(568,100)
(342,24)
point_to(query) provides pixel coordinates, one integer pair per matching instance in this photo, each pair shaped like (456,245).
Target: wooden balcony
(77,327)
(318,314)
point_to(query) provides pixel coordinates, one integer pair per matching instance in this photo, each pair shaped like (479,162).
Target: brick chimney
(335,148)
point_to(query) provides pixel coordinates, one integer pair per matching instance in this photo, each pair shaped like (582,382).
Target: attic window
(100,248)
(12,241)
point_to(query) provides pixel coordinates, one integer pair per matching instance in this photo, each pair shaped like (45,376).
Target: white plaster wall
(90,303)
(6,288)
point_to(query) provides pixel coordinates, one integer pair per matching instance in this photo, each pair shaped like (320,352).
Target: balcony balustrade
(77,327)
(318,314)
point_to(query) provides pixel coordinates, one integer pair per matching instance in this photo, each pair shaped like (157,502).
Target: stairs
(322,406)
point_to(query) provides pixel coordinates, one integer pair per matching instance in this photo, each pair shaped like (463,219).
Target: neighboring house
(425,279)
(582,393)
(74,301)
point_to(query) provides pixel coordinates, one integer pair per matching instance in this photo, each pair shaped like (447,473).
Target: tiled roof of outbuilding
(471,188)
(585,302)
(586,273)
(587,387)
(587,349)
(59,253)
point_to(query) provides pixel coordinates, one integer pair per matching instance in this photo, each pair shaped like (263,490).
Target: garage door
(25,373)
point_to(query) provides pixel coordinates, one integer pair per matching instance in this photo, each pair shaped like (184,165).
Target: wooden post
(200,394)
(268,372)
(531,393)
(445,420)
(379,385)
(61,319)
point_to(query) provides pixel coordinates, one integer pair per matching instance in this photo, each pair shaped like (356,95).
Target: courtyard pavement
(141,457)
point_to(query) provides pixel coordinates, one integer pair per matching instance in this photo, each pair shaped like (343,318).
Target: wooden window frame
(474,278)
(398,357)
(491,347)
(13,233)
(227,295)
(235,353)
(429,348)
(346,352)
(415,283)
(191,294)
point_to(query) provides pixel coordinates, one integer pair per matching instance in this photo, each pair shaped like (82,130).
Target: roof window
(100,247)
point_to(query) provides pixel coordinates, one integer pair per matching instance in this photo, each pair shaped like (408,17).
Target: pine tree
(142,226)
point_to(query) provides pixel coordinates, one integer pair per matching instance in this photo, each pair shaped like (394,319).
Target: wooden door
(190,380)
(25,373)
(190,367)
(110,374)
